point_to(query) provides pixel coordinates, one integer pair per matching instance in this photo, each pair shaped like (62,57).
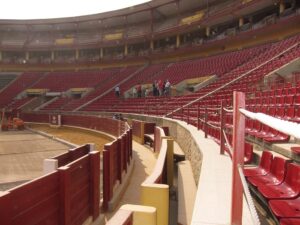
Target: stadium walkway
(144,162)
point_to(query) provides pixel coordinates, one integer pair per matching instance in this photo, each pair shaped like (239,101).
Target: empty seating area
(18,103)
(63,81)
(24,81)
(276,183)
(5,79)
(56,104)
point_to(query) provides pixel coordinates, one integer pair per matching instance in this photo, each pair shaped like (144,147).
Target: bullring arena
(163,112)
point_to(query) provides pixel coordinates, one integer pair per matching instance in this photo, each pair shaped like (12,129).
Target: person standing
(117,91)
(134,92)
(167,88)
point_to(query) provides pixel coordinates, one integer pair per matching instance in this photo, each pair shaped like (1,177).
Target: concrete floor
(22,154)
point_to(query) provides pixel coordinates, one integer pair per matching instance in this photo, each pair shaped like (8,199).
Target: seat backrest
(292,177)
(278,168)
(266,160)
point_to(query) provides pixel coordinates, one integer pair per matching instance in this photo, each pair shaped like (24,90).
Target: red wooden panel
(80,206)
(106,179)
(95,184)
(119,163)
(149,128)
(30,194)
(46,211)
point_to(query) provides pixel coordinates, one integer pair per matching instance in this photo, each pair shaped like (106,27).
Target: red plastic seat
(290,221)
(275,177)
(289,188)
(278,138)
(263,168)
(264,132)
(290,113)
(248,153)
(296,150)
(289,100)
(285,207)
(296,117)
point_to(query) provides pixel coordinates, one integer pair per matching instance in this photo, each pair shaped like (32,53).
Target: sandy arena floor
(75,135)
(22,152)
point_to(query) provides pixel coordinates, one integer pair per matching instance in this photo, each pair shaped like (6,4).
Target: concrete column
(177,41)
(52,56)
(207,31)
(126,49)
(151,44)
(101,53)
(142,214)
(77,54)
(281,7)
(27,56)
(157,196)
(241,21)
(50,165)
(92,147)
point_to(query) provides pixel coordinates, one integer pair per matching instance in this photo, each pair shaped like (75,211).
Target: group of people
(160,88)
(118,116)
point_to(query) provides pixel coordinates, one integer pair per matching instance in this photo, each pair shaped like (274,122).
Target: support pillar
(177,41)
(241,21)
(152,45)
(237,158)
(101,53)
(52,56)
(126,50)
(27,56)
(77,54)
(281,7)
(207,31)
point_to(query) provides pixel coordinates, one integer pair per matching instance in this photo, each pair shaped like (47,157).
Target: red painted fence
(67,196)
(72,193)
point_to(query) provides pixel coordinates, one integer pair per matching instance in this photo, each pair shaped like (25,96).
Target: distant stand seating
(20,84)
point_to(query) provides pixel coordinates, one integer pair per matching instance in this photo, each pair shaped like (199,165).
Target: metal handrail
(286,127)
(234,80)
(228,144)
(213,126)
(228,110)
(248,197)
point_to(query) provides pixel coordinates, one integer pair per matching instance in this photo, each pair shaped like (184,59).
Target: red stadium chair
(264,166)
(275,177)
(285,207)
(289,188)
(290,221)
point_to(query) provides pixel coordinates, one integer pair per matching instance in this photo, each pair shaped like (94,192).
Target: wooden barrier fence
(116,155)
(154,208)
(116,158)
(69,195)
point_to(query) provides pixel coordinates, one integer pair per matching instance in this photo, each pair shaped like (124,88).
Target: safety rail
(287,127)
(232,81)
(238,181)
(248,197)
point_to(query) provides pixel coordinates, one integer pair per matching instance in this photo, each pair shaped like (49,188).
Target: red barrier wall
(72,155)
(116,155)
(67,196)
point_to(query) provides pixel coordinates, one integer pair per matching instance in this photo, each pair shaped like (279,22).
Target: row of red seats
(278,181)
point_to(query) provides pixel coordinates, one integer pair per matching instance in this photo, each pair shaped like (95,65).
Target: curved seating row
(278,182)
